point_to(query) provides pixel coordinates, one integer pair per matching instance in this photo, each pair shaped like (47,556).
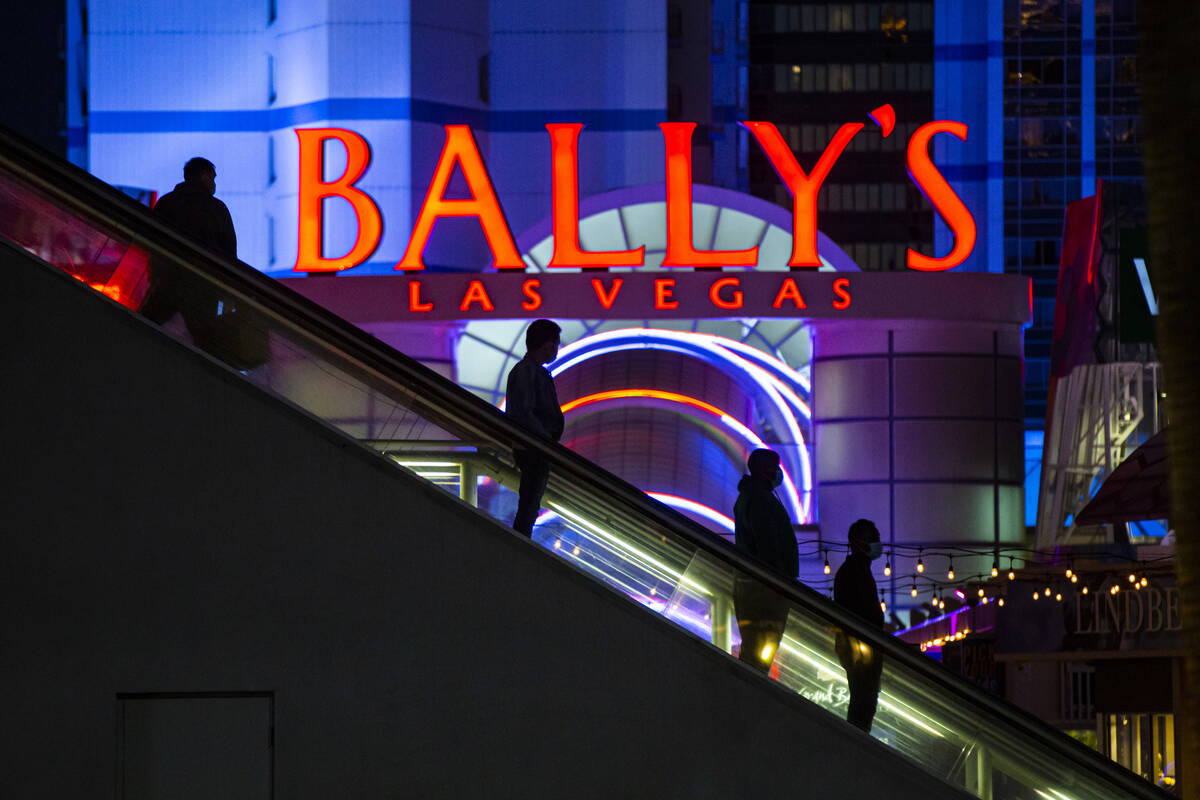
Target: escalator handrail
(82,193)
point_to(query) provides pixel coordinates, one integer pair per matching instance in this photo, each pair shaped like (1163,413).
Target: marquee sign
(965,296)
(461,152)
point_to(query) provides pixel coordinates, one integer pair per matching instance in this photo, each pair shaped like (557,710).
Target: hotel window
(841,18)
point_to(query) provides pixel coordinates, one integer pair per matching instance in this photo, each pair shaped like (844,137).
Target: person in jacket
(191,209)
(763,529)
(532,403)
(854,589)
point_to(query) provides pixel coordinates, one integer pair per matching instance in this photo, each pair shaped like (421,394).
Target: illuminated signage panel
(460,151)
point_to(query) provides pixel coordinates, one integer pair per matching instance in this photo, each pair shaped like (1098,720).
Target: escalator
(55,216)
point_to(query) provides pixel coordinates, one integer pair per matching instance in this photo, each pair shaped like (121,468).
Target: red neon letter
(607,298)
(789,291)
(313,190)
(930,181)
(714,293)
(476,294)
(460,149)
(530,288)
(414,298)
(677,139)
(564,145)
(803,187)
(841,288)
(662,293)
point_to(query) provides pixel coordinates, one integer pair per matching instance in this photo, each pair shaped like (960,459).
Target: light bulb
(914,590)
(1085,590)
(1058,596)
(995,569)
(1047,591)
(1000,602)
(1074,579)
(1145,582)
(950,574)
(887,566)
(981,591)
(1132,578)
(1069,573)
(1011,574)
(920,565)
(1036,595)
(826,567)
(883,606)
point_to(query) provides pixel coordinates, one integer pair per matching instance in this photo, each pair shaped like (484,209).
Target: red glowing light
(460,149)
(803,187)
(663,287)
(885,118)
(530,289)
(947,203)
(788,290)
(607,298)
(677,138)
(714,293)
(313,190)
(564,146)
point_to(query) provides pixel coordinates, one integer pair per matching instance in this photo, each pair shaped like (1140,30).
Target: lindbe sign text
(460,151)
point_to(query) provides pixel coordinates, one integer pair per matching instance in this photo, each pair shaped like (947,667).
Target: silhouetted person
(532,403)
(763,529)
(854,589)
(190,209)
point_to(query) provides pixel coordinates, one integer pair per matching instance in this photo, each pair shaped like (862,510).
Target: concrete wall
(170,528)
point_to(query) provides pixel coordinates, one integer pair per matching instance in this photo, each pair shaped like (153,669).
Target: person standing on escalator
(532,403)
(763,529)
(854,589)
(192,209)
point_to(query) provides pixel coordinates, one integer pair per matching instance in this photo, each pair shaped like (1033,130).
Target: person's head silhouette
(201,172)
(542,338)
(764,464)
(864,539)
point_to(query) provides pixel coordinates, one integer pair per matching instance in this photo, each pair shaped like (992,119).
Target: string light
(981,591)
(882,602)
(1058,596)
(1011,574)
(1074,578)
(1047,591)
(1000,602)
(826,554)
(914,588)
(887,566)
(950,571)
(1145,581)
(1132,578)
(1069,572)
(1037,595)
(920,562)
(995,568)
(1085,589)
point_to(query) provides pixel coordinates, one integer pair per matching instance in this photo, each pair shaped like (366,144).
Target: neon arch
(706,347)
(748,436)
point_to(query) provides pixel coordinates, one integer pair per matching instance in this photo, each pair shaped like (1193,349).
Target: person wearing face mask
(854,588)
(763,529)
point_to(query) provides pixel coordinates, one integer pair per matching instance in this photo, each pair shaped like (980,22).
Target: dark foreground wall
(170,530)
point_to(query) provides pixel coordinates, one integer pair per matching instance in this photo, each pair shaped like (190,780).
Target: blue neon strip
(393,109)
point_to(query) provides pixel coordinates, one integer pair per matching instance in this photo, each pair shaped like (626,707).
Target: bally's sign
(460,152)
